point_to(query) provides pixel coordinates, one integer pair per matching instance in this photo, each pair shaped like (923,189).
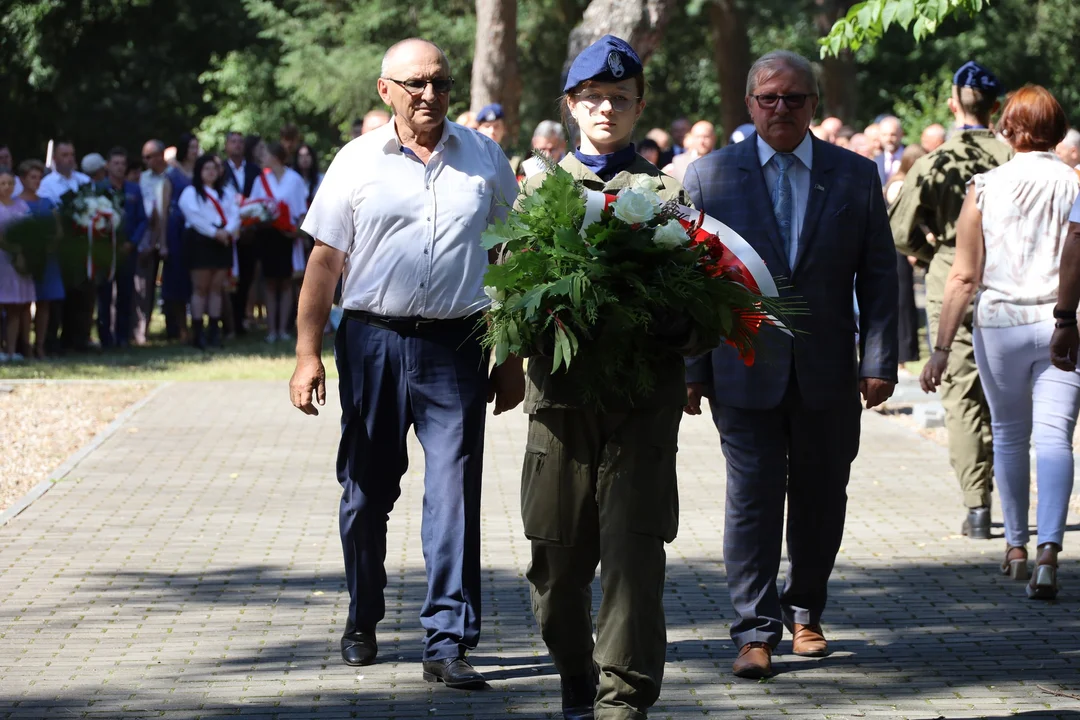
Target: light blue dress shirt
(410,231)
(799,176)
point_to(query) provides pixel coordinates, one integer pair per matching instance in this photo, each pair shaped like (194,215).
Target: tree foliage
(866,22)
(112,72)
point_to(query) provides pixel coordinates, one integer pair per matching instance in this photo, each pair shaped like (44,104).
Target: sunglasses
(441,86)
(794,101)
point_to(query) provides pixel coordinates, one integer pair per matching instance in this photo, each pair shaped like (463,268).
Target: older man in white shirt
(65,177)
(401,210)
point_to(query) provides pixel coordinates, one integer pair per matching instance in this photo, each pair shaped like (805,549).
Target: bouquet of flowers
(92,218)
(257,212)
(611,286)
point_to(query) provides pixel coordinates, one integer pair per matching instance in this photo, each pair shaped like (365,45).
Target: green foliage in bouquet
(30,242)
(612,304)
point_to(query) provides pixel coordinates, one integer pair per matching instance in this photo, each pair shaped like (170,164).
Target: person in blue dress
(50,288)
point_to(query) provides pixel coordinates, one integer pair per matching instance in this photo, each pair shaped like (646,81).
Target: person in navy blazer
(789,425)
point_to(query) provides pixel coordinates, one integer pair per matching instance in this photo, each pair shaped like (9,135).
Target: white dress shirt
(54,185)
(411,231)
(152,186)
(799,176)
(201,215)
(889,163)
(290,189)
(238,172)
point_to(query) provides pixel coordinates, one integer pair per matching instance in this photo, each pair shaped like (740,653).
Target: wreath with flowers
(610,286)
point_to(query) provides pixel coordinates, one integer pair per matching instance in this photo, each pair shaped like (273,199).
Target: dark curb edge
(78,456)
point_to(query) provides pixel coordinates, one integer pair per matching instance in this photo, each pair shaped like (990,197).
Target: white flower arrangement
(671,235)
(257,211)
(635,206)
(497,296)
(96,210)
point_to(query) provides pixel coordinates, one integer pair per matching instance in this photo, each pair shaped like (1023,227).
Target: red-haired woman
(1008,250)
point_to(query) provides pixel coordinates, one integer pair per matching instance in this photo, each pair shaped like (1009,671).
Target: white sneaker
(272,337)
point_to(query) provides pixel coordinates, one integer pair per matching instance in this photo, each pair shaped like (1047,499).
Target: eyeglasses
(441,86)
(593,100)
(794,101)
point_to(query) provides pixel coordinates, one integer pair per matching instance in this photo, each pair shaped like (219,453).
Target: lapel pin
(819,187)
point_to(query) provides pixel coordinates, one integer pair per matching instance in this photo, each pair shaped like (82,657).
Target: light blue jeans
(1029,400)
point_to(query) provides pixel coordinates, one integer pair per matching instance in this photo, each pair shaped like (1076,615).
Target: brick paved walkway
(190,567)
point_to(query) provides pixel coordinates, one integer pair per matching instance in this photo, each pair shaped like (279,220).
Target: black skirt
(205,253)
(275,252)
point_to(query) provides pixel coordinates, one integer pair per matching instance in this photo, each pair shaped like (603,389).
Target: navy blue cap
(973,75)
(490,113)
(609,59)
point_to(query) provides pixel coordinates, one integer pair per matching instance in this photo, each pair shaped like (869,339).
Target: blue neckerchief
(974,127)
(609,165)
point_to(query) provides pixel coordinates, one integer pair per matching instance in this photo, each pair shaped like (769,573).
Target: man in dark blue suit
(789,425)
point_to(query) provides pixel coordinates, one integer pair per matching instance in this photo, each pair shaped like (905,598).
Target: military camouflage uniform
(600,487)
(931,197)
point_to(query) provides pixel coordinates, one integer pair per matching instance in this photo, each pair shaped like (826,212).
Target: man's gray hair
(549,129)
(770,63)
(1072,138)
(157,144)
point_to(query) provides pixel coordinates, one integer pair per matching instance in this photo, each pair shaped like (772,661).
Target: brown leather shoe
(754,661)
(808,641)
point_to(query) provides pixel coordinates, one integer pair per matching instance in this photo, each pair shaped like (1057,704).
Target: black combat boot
(197,339)
(214,336)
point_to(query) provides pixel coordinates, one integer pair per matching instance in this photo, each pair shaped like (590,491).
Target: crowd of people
(189,245)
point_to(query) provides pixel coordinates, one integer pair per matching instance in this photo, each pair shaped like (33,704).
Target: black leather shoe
(977,524)
(578,696)
(359,648)
(454,673)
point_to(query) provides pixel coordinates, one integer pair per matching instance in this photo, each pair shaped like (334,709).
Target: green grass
(249,358)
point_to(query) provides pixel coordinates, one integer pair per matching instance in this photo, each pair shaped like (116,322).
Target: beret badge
(615,64)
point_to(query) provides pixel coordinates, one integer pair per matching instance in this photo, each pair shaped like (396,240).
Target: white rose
(646,183)
(636,206)
(671,235)
(496,296)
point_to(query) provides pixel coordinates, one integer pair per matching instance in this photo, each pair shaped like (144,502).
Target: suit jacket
(845,243)
(243,184)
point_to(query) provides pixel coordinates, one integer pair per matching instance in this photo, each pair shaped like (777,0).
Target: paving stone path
(190,568)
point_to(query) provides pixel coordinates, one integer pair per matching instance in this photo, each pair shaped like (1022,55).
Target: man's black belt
(413,325)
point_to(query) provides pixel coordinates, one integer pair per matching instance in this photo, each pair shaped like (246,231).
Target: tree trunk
(839,92)
(495,76)
(731,53)
(639,22)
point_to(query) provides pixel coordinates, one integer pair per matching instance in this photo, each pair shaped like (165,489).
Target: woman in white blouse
(1008,249)
(286,189)
(212,222)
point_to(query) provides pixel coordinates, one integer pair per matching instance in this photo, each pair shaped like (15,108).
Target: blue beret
(609,59)
(973,75)
(490,113)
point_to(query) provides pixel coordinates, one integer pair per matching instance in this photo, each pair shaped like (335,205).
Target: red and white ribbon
(740,259)
(745,257)
(109,217)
